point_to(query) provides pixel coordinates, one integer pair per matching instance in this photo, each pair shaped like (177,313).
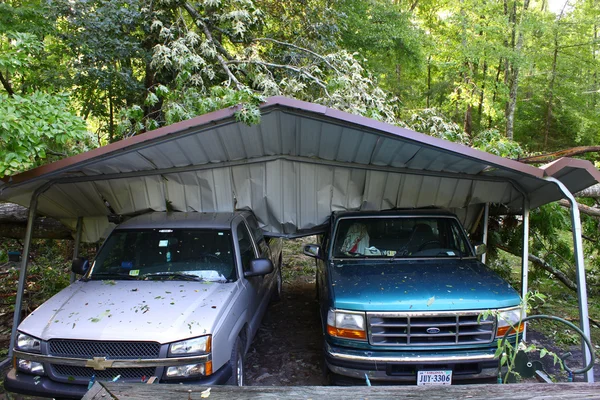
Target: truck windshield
(173,254)
(400,237)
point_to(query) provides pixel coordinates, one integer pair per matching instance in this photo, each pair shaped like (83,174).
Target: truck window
(245,245)
(263,248)
(137,254)
(400,237)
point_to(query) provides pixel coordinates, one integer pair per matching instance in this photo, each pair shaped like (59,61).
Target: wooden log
(526,391)
(13,223)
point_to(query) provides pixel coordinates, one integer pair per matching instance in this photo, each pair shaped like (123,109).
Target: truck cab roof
(415,212)
(216,220)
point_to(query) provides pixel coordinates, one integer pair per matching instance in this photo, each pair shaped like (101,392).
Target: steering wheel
(528,365)
(429,243)
(213,256)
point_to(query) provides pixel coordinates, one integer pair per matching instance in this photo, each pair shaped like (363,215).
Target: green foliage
(431,122)
(48,270)
(32,125)
(387,36)
(17,51)
(492,141)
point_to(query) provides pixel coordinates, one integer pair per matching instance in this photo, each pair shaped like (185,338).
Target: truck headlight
(190,370)
(31,367)
(28,343)
(510,320)
(346,324)
(199,345)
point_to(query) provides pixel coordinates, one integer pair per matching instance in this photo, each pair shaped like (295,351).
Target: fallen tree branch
(316,55)
(289,67)
(593,191)
(221,50)
(13,224)
(543,264)
(548,157)
(587,210)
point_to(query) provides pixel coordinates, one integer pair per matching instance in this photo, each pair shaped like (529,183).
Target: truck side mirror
(313,250)
(80,265)
(480,249)
(259,266)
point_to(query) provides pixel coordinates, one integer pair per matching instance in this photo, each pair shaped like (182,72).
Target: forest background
(516,78)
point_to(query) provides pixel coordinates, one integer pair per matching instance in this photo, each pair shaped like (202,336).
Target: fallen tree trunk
(546,158)
(587,210)
(593,191)
(13,224)
(543,264)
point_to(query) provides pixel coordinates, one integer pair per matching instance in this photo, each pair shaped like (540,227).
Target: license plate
(434,378)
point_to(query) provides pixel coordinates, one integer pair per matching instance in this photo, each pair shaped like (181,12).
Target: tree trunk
(13,223)
(543,264)
(592,191)
(6,85)
(546,158)
(481,94)
(587,210)
(428,80)
(514,73)
(496,83)
(550,95)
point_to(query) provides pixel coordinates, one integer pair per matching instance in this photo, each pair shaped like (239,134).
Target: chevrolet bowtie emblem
(99,363)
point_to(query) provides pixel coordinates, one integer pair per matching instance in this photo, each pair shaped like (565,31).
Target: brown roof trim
(556,167)
(273,102)
(204,119)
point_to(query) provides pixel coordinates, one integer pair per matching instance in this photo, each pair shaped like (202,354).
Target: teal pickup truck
(401,297)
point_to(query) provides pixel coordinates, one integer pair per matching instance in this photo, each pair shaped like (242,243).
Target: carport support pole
(525,258)
(78,231)
(486,217)
(23,272)
(580,267)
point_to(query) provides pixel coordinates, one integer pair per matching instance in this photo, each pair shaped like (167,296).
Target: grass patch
(296,264)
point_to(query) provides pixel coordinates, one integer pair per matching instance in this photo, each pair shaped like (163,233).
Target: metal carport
(301,162)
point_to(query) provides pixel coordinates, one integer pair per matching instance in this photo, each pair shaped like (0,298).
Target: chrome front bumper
(394,366)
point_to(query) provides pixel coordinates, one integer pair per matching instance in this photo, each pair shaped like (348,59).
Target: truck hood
(418,285)
(159,311)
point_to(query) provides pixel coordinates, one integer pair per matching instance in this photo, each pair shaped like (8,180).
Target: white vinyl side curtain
(285,195)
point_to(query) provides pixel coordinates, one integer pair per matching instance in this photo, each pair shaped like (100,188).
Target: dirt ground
(288,346)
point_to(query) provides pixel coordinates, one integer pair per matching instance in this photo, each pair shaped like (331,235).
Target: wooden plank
(97,391)
(529,391)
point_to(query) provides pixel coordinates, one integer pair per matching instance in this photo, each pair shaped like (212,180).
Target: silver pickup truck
(170,297)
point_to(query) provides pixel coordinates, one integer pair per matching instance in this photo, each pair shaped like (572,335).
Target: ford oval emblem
(433,330)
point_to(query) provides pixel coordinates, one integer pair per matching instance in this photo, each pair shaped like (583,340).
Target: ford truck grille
(112,350)
(429,329)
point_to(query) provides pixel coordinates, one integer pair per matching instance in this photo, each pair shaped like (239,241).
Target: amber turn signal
(346,333)
(503,329)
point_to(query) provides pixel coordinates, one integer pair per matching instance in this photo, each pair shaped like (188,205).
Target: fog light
(186,371)
(31,367)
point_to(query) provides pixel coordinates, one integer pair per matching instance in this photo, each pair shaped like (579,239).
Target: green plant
(512,355)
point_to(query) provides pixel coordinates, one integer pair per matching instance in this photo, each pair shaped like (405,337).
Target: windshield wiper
(172,275)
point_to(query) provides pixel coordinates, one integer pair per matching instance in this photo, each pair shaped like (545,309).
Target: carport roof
(301,162)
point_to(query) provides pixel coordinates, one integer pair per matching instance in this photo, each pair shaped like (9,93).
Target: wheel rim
(240,371)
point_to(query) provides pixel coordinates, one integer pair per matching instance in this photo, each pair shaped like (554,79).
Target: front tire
(237,364)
